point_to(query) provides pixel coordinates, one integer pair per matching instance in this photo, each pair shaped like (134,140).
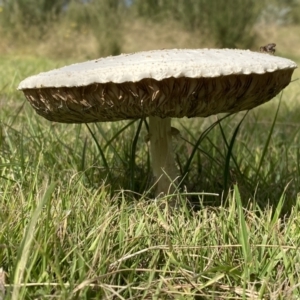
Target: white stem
(163,161)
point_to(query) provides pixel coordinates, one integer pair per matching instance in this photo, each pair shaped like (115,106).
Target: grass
(76,222)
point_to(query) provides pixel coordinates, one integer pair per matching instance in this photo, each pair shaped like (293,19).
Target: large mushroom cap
(162,83)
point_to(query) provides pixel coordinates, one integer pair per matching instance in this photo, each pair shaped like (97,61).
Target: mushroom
(161,85)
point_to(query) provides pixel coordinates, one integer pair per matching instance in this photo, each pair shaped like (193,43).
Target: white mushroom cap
(163,83)
(159,65)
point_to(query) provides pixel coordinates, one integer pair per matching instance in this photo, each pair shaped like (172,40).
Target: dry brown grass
(145,35)
(2,284)
(64,40)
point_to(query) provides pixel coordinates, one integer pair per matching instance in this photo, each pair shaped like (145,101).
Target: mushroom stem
(163,161)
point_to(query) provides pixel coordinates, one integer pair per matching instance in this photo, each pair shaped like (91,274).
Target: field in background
(75,220)
(71,29)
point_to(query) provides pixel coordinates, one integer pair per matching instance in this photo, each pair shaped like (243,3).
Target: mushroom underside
(171,97)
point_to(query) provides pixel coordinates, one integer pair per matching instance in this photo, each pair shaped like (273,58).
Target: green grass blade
(100,152)
(133,155)
(278,209)
(117,133)
(83,155)
(199,140)
(229,150)
(267,143)
(112,148)
(27,240)
(243,235)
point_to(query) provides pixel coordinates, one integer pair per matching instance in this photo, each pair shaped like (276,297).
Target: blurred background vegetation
(91,28)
